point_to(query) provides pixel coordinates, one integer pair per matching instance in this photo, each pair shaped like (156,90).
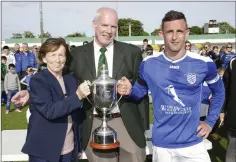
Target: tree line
(136,30)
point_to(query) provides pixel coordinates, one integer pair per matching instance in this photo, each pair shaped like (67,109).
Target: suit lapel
(118,58)
(55,84)
(89,58)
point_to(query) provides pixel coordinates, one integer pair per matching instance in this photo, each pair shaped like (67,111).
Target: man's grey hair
(96,17)
(98,13)
(25,44)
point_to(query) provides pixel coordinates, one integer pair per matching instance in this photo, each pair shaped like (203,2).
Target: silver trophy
(103,98)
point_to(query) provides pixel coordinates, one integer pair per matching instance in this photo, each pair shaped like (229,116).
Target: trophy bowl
(103,98)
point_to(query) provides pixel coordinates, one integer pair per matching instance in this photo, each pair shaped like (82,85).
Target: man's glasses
(229,47)
(187,45)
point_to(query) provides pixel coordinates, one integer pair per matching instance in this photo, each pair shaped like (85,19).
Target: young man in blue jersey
(175,80)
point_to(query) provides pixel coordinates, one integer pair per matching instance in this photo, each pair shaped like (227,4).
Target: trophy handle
(89,101)
(120,95)
(92,103)
(119,99)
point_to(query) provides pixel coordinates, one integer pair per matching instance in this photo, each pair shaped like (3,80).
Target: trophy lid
(104,77)
(104,71)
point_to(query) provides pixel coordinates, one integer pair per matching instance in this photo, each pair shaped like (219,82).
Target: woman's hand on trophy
(124,86)
(83,90)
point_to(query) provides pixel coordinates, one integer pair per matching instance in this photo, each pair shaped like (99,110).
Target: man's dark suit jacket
(126,62)
(49,116)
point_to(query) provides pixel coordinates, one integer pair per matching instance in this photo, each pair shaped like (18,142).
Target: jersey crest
(191,78)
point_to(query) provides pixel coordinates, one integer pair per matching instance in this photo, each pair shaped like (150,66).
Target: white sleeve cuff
(213,80)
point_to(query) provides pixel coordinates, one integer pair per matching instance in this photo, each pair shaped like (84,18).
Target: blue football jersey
(176,88)
(206,93)
(227,58)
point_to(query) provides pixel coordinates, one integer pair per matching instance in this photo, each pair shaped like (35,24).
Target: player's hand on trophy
(83,90)
(124,86)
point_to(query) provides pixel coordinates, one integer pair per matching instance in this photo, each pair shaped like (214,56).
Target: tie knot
(103,50)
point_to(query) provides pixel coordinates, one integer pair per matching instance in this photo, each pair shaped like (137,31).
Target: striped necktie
(102,60)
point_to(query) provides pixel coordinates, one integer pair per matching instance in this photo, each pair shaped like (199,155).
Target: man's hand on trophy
(83,90)
(124,86)
(88,82)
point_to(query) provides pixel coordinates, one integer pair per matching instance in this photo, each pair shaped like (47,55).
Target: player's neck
(175,55)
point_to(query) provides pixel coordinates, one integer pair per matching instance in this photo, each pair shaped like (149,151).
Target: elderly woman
(55,102)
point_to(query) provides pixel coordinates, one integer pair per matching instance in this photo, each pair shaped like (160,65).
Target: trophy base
(104,147)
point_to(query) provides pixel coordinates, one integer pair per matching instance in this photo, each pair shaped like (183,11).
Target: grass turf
(14,120)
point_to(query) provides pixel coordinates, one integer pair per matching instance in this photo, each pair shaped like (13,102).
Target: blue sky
(62,18)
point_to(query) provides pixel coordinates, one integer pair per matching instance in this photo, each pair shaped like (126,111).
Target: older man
(121,59)
(23,60)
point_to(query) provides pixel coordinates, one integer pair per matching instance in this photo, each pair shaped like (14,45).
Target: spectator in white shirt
(10,57)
